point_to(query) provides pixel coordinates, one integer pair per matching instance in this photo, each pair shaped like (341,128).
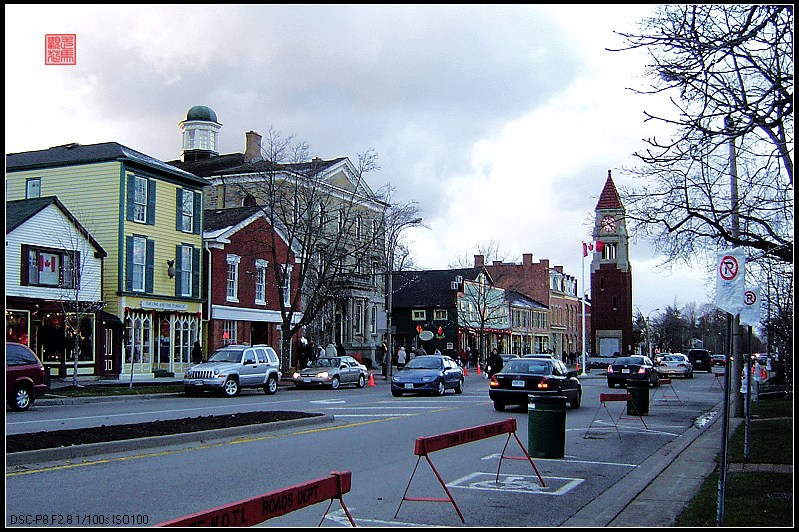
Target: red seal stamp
(59,49)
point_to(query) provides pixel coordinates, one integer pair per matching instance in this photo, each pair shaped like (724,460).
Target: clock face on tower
(608,224)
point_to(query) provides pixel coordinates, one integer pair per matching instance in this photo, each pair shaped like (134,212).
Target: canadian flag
(592,246)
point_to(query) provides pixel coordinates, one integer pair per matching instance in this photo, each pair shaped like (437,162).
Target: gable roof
(431,288)
(609,198)
(20,211)
(76,154)
(219,224)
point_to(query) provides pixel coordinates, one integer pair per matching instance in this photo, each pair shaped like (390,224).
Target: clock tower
(611,278)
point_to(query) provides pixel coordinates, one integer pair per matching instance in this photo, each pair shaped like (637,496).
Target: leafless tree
(491,251)
(482,307)
(330,223)
(728,70)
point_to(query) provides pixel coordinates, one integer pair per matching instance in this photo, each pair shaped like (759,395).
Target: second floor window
(139,254)
(186,211)
(33,188)
(140,205)
(287,285)
(140,200)
(260,281)
(233,277)
(48,267)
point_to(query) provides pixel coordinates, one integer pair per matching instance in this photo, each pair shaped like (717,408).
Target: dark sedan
(428,374)
(635,368)
(522,378)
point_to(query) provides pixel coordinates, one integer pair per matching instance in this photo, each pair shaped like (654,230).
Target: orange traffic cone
(578,366)
(465,371)
(371,379)
(478,369)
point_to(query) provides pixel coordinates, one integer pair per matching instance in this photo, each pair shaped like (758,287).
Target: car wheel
(441,388)
(335,383)
(361,381)
(396,393)
(231,387)
(459,387)
(22,398)
(270,388)
(576,404)
(499,407)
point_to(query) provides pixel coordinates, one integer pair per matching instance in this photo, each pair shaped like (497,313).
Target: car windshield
(325,363)
(636,361)
(533,367)
(226,355)
(425,363)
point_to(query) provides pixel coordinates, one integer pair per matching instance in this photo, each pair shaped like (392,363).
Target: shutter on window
(131,197)
(195,282)
(178,269)
(24,271)
(150,268)
(198,213)
(151,201)
(179,209)
(128,264)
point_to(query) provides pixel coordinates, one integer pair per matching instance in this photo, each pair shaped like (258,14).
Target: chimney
(527,259)
(252,151)
(479,261)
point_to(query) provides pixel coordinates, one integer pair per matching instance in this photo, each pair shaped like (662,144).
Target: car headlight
(427,378)
(395,378)
(322,374)
(216,372)
(296,375)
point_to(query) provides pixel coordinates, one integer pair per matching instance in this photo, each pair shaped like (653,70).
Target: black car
(525,377)
(700,360)
(634,368)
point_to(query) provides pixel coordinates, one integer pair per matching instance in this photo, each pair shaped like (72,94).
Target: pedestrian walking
(420,351)
(197,353)
(494,363)
(401,357)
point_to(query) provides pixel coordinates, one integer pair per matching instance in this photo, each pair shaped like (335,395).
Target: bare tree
(330,224)
(725,177)
(728,70)
(490,250)
(482,306)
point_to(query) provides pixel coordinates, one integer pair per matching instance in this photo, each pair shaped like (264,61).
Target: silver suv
(233,367)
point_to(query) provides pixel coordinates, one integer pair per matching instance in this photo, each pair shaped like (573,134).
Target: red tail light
(543,384)
(493,383)
(610,369)
(641,370)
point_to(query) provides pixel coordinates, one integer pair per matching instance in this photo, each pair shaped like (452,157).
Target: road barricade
(428,444)
(605,398)
(250,512)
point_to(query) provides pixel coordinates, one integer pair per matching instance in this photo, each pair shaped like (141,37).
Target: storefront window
(17,326)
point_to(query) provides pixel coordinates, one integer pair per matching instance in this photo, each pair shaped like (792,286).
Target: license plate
(198,383)
(409,386)
(625,371)
(306,380)
(517,384)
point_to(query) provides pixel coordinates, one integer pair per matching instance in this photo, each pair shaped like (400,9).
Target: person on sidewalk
(401,355)
(197,353)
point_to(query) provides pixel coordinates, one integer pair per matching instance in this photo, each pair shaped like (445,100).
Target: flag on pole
(587,247)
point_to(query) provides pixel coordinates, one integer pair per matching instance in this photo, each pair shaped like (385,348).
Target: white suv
(233,367)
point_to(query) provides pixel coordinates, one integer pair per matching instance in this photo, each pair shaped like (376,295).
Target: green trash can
(639,398)
(546,426)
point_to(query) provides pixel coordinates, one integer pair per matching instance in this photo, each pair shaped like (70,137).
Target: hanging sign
(730,272)
(750,313)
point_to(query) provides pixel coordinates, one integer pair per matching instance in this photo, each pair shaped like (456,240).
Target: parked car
(25,377)
(700,359)
(634,368)
(428,374)
(233,367)
(333,372)
(675,365)
(718,359)
(533,376)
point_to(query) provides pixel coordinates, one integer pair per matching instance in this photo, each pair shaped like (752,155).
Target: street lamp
(391,244)
(646,325)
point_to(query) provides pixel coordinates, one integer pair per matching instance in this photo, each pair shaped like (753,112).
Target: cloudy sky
(501,121)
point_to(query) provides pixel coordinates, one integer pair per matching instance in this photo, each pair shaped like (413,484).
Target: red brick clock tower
(611,278)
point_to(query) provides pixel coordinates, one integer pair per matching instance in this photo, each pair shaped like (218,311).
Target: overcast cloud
(501,121)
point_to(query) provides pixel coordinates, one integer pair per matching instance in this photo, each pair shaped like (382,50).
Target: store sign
(164,305)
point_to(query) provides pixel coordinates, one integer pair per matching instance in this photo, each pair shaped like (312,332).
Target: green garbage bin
(639,398)
(546,426)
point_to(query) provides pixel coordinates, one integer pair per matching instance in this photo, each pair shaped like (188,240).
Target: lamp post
(648,341)
(391,244)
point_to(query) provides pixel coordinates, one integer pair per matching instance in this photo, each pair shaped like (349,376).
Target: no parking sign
(730,273)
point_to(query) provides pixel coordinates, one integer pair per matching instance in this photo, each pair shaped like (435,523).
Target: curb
(199,437)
